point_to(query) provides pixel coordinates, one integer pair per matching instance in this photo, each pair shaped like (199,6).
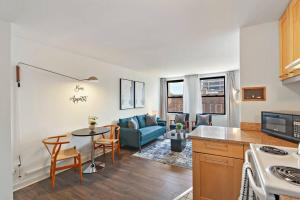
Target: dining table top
(87,132)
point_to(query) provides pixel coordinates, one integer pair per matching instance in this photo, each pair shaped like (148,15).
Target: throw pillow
(151,120)
(202,120)
(141,120)
(132,123)
(124,122)
(180,118)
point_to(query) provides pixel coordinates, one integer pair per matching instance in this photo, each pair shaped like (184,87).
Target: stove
(273,150)
(289,174)
(278,169)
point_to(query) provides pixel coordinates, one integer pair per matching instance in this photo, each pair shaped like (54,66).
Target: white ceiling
(167,37)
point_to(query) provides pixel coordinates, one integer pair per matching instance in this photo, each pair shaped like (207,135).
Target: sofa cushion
(150,131)
(124,122)
(133,123)
(151,120)
(142,121)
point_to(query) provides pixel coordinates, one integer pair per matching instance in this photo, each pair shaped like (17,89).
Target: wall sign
(78,98)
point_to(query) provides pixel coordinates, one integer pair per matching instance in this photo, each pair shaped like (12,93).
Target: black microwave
(283,124)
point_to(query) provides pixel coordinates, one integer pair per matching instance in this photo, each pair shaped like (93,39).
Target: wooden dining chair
(112,141)
(53,145)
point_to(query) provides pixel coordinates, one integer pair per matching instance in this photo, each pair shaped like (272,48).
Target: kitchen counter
(218,157)
(236,135)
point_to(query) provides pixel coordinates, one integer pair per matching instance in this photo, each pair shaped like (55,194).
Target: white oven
(273,171)
(254,179)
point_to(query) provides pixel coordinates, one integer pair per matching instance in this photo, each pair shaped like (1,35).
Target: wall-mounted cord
(19,167)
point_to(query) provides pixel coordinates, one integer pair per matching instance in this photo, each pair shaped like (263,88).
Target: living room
(133,94)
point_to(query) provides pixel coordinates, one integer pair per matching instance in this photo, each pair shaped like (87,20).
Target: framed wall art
(139,94)
(126,94)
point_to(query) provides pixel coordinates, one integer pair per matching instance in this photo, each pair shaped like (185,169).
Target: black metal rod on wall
(18,72)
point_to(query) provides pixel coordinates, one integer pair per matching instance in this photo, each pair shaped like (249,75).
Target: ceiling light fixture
(18,67)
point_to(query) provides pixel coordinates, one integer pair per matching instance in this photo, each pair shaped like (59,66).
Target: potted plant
(92,122)
(179,127)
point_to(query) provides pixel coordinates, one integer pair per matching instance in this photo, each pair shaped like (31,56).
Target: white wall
(5,109)
(43,108)
(260,67)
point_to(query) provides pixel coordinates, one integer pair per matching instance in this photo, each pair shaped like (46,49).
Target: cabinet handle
(217,147)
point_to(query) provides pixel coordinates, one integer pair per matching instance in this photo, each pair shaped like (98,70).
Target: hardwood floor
(130,178)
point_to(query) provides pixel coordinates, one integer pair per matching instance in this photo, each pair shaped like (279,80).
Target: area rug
(160,151)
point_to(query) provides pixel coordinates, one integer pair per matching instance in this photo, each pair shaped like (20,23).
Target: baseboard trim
(184,193)
(27,182)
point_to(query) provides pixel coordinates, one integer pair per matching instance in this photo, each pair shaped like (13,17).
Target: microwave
(283,124)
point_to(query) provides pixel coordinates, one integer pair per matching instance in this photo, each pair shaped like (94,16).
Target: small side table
(90,168)
(178,145)
(178,140)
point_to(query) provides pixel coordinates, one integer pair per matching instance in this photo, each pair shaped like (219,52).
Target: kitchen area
(261,158)
(223,157)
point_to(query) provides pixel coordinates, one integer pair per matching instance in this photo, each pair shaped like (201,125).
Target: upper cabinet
(295,20)
(290,41)
(285,43)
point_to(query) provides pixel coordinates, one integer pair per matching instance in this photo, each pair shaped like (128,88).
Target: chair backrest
(187,116)
(114,132)
(53,144)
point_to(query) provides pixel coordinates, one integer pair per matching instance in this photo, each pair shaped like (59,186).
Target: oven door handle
(259,191)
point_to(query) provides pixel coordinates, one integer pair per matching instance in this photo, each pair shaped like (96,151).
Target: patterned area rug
(160,150)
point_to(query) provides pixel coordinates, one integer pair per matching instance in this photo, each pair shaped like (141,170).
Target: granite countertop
(227,134)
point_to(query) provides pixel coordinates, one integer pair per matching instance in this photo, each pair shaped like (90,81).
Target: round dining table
(86,132)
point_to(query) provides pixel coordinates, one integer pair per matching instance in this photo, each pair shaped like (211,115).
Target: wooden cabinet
(216,177)
(217,166)
(286,55)
(294,10)
(289,39)
(217,169)
(218,148)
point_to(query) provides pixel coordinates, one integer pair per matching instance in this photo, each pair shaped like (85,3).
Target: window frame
(215,77)
(173,81)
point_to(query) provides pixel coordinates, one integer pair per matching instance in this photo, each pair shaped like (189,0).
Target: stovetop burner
(273,150)
(289,174)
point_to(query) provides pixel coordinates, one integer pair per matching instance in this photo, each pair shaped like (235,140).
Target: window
(175,96)
(213,95)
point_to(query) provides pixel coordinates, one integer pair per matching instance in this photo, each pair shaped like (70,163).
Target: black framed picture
(139,94)
(126,94)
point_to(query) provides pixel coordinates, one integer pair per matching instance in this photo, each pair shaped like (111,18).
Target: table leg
(92,167)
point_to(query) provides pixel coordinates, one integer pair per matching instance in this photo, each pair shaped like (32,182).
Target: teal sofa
(138,137)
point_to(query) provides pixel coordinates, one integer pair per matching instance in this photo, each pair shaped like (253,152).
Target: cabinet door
(286,55)
(295,17)
(216,177)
